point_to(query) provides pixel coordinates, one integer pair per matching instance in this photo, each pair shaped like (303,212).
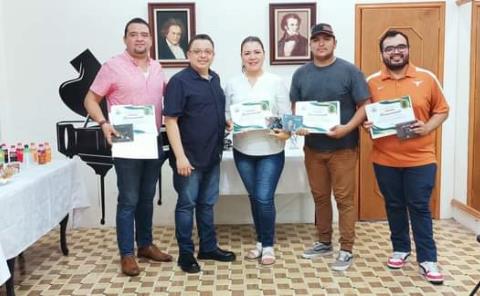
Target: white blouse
(267,87)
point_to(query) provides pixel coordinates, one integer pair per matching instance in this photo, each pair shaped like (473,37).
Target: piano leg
(10,282)
(102,196)
(63,236)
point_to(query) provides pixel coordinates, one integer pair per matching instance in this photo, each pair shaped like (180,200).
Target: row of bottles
(26,154)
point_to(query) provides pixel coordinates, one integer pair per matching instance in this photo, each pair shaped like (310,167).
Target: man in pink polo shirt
(132,78)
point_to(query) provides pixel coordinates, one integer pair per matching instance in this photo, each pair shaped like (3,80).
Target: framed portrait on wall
(172,26)
(290,25)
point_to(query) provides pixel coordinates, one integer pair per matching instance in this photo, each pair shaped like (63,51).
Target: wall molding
(461,2)
(465,208)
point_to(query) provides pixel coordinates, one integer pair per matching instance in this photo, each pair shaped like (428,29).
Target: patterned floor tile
(92,268)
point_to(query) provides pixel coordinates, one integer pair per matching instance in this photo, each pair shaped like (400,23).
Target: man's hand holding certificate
(390,116)
(137,130)
(250,115)
(318,117)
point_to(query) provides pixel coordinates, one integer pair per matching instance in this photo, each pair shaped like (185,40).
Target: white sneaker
(431,273)
(397,260)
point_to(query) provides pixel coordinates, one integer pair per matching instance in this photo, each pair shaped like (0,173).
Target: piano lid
(73,92)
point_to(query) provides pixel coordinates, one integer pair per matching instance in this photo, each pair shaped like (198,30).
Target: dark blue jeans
(197,192)
(407,193)
(260,175)
(136,182)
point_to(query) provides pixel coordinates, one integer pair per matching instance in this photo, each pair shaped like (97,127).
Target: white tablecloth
(34,202)
(4,272)
(293,178)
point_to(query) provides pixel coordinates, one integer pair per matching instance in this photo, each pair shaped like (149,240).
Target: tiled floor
(92,267)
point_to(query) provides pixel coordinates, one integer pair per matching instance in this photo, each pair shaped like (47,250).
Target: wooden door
(423,23)
(474,139)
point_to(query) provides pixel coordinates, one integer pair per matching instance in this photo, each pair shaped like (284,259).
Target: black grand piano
(85,138)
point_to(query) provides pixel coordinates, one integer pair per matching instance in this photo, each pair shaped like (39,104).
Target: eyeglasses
(198,51)
(392,49)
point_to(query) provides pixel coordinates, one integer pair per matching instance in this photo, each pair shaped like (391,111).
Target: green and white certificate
(318,117)
(142,117)
(386,114)
(250,115)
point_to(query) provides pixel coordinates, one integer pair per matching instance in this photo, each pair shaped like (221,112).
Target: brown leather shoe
(129,266)
(152,252)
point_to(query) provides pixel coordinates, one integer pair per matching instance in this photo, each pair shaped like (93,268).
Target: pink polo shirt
(124,83)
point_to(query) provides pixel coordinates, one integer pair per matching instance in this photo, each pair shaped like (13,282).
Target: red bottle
(19,152)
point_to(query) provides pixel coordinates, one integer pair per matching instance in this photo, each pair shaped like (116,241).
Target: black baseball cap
(322,28)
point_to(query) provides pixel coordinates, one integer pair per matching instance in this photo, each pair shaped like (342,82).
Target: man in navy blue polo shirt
(195,120)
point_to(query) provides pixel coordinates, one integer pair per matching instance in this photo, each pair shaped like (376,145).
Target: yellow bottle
(33,151)
(41,154)
(48,153)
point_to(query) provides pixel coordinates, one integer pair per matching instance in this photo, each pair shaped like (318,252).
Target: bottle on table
(33,151)
(27,156)
(41,154)
(19,152)
(4,149)
(6,153)
(48,152)
(12,153)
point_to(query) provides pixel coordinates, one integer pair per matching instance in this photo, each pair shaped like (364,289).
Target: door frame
(435,203)
(475,38)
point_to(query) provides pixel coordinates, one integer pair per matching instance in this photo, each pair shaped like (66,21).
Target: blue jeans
(197,192)
(136,182)
(260,175)
(407,192)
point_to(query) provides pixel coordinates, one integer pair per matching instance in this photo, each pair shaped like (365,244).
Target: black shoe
(218,255)
(188,263)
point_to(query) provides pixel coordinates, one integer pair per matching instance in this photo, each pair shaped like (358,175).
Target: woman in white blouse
(259,155)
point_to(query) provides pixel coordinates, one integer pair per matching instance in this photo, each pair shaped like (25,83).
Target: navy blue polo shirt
(199,104)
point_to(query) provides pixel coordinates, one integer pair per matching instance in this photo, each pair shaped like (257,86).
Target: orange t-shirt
(427,97)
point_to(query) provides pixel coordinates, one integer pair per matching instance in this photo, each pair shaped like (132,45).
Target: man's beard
(395,67)
(140,52)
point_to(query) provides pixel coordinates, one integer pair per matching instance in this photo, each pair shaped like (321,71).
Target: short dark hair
(136,20)
(285,18)
(200,37)
(251,39)
(172,22)
(390,34)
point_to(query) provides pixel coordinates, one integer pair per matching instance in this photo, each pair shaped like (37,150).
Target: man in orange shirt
(405,169)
